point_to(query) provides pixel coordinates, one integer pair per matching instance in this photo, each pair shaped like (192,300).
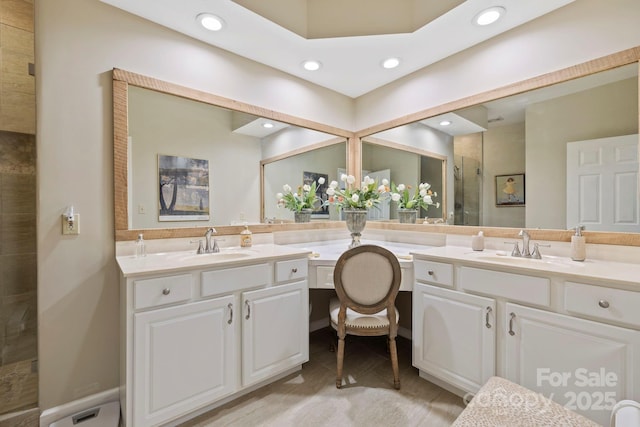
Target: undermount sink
(524,261)
(215,256)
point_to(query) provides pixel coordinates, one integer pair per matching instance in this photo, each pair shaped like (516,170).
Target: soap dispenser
(245,237)
(578,245)
(140,247)
(477,242)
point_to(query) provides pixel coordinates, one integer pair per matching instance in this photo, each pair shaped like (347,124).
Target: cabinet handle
(246,303)
(294,270)
(166,291)
(230,306)
(486,318)
(513,316)
(603,303)
(430,272)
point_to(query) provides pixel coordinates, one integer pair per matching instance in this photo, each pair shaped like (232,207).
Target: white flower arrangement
(366,196)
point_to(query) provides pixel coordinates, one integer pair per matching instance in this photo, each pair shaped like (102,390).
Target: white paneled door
(602,184)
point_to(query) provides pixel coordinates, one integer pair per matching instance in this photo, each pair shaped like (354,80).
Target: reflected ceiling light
(210,22)
(489,16)
(390,63)
(311,65)
(445,123)
(267,125)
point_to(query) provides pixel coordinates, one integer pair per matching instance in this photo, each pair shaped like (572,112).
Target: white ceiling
(351,65)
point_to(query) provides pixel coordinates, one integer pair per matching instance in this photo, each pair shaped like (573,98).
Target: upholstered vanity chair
(367,279)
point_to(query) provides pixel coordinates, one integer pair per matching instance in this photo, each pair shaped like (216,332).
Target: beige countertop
(590,269)
(328,252)
(188,260)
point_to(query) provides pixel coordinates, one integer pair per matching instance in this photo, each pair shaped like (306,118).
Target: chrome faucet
(526,253)
(208,247)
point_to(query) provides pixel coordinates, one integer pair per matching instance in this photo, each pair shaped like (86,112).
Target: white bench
(502,403)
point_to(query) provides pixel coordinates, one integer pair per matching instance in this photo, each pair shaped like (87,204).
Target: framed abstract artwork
(184,189)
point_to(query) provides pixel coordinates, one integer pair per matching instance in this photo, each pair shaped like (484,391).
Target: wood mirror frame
(605,63)
(121,81)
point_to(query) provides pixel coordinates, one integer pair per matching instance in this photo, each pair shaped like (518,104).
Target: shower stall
(467,201)
(18,265)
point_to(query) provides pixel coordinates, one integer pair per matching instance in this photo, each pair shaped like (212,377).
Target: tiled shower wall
(18,314)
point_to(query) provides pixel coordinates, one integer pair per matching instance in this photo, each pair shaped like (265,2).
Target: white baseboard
(319,324)
(404,332)
(52,415)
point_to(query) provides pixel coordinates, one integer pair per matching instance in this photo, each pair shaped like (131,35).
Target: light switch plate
(74,229)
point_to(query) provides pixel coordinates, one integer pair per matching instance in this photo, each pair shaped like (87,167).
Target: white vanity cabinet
(183,357)
(275,324)
(576,343)
(454,336)
(585,365)
(194,339)
(275,330)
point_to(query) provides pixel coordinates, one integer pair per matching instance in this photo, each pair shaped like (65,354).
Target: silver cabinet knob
(294,270)
(430,272)
(603,303)
(166,291)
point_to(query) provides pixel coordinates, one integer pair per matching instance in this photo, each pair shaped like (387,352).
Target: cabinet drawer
(604,303)
(227,280)
(160,291)
(291,270)
(324,277)
(438,273)
(514,287)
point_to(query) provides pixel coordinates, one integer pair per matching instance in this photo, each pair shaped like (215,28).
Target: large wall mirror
(185,159)
(382,156)
(552,158)
(326,160)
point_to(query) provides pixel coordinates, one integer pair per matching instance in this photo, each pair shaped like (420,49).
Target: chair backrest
(367,278)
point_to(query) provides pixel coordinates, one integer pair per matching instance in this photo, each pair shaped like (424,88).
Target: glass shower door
(467,176)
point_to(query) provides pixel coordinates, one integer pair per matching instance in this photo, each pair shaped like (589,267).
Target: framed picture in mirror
(510,190)
(308,178)
(184,189)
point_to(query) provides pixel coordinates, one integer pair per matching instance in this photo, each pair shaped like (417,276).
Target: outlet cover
(71,228)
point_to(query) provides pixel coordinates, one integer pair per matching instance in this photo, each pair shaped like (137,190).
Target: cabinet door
(454,336)
(584,365)
(275,330)
(184,357)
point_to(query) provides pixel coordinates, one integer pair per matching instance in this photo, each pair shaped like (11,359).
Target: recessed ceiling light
(445,123)
(311,65)
(390,63)
(489,16)
(210,22)
(267,125)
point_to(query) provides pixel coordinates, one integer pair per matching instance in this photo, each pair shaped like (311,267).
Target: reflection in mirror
(573,145)
(384,157)
(232,145)
(294,170)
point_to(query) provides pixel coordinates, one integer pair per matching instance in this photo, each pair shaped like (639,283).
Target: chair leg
(394,363)
(340,360)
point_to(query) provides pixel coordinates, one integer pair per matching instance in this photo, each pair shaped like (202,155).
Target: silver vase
(303,215)
(356,219)
(407,216)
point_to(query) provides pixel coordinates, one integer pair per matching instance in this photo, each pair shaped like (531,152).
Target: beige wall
(609,110)
(174,126)
(504,154)
(78,42)
(578,32)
